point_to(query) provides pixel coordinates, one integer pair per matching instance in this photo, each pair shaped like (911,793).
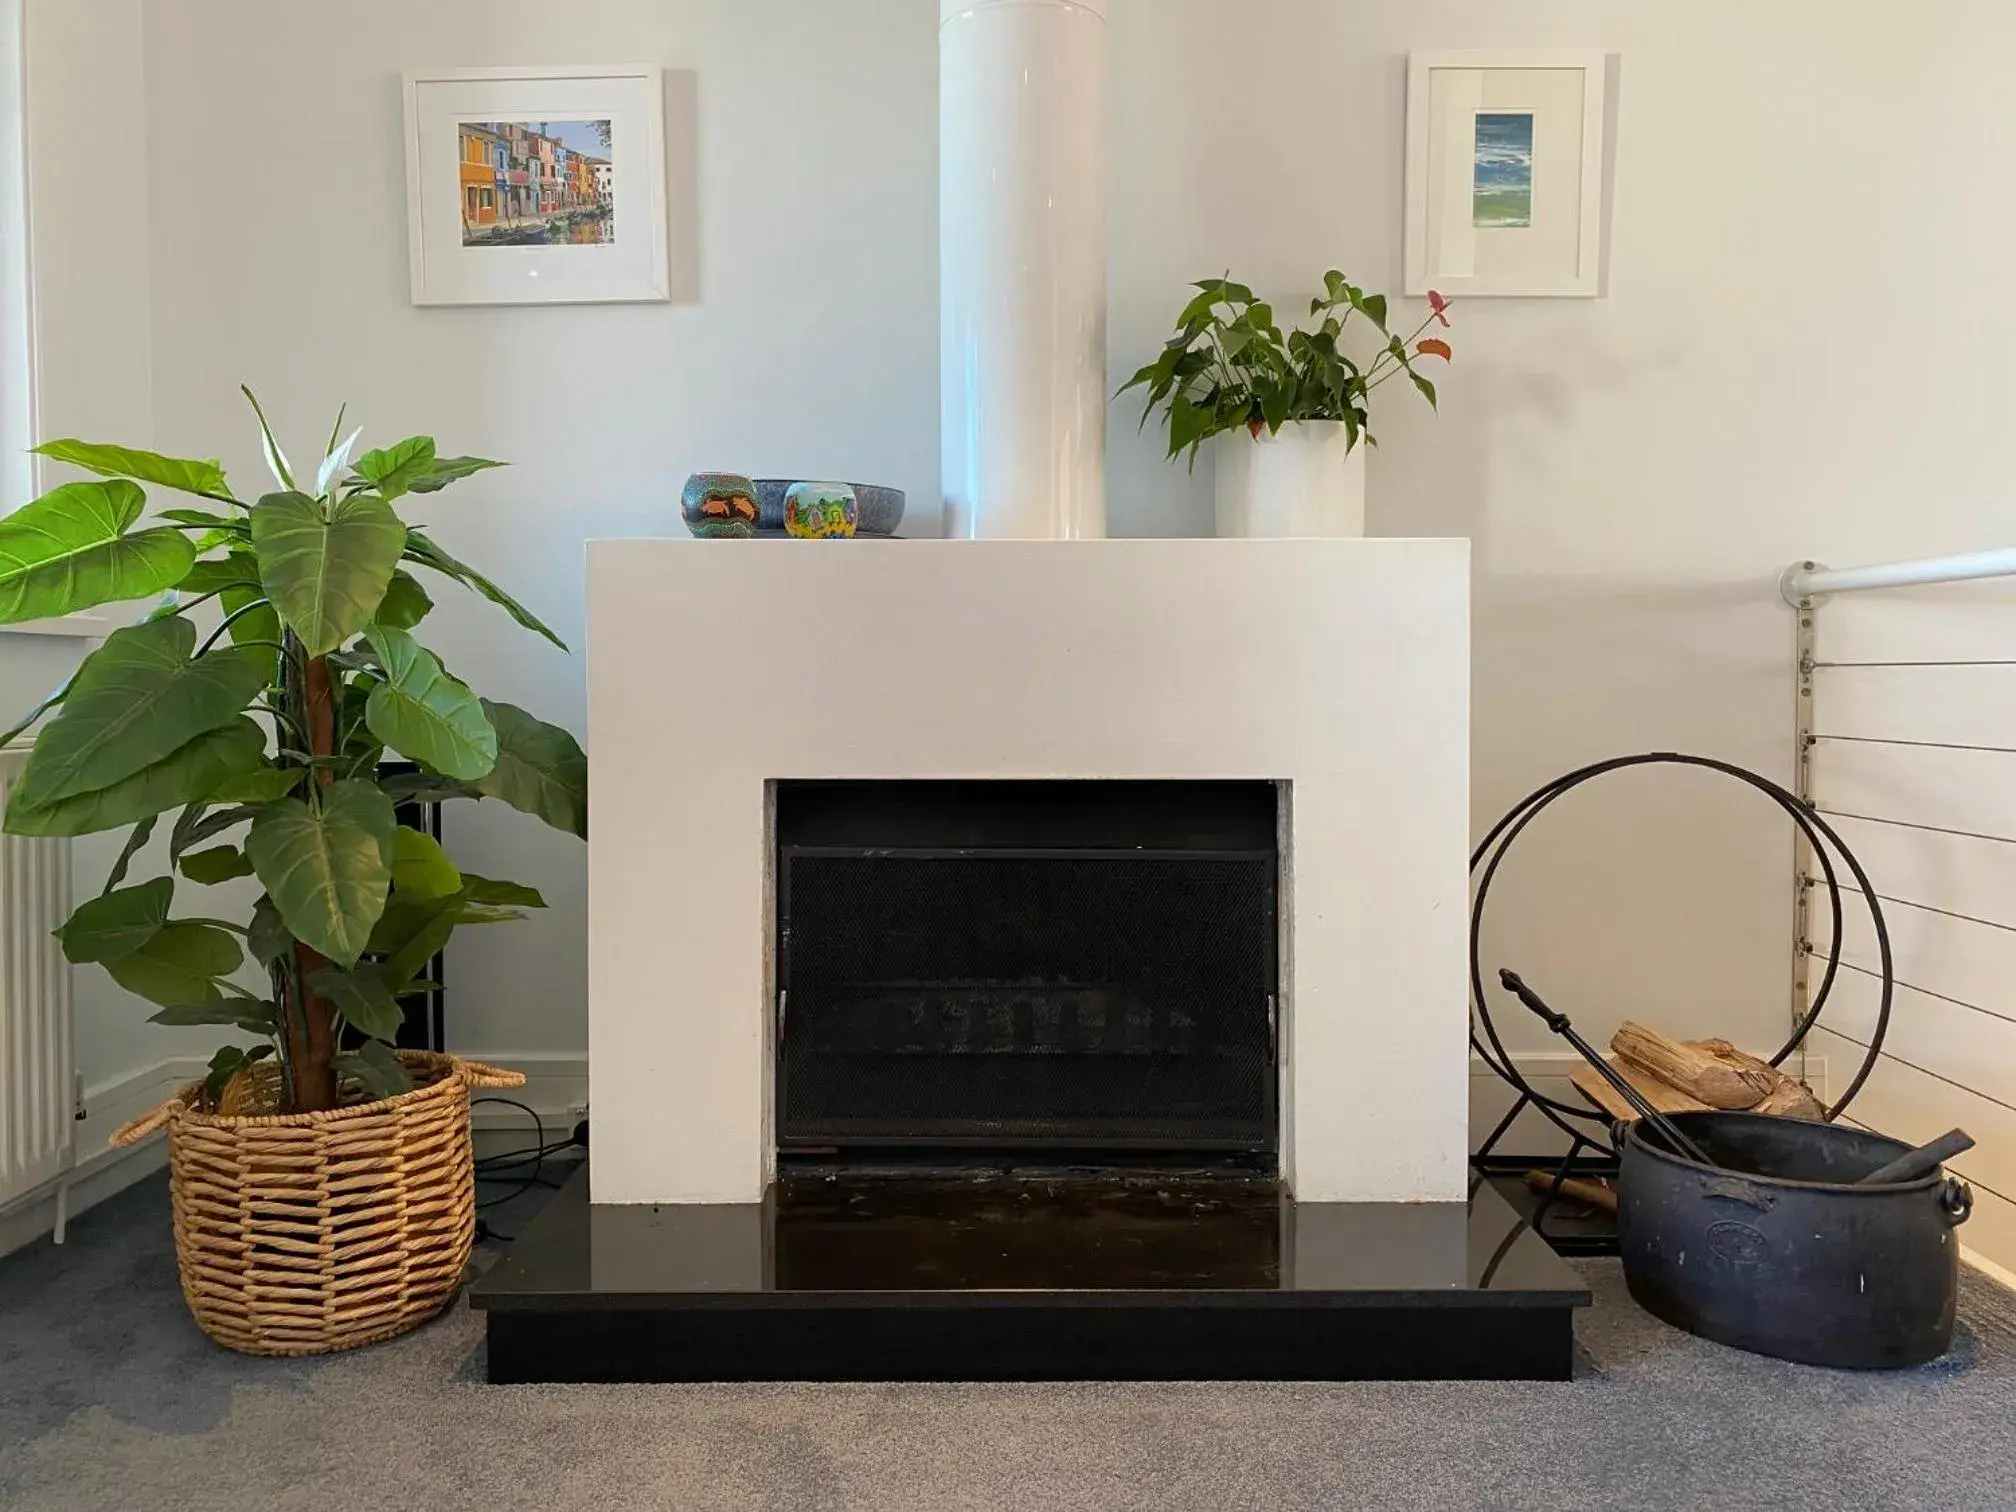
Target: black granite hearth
(1105,1277)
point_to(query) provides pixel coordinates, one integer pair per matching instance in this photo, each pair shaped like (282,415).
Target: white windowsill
(75,626)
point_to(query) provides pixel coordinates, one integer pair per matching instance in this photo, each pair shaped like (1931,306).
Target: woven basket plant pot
(303,1233)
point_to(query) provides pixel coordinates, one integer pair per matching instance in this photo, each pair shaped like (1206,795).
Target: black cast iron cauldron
(1778,1253)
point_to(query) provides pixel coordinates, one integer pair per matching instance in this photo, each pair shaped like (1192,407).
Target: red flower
(1434,346)
(1437,304)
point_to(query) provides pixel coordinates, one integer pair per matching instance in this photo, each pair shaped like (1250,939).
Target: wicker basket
(304,1233)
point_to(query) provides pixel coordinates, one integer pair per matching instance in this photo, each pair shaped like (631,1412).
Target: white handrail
(1805,580)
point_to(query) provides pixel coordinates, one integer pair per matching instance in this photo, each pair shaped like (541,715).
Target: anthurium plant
(1230,365)
(263,744)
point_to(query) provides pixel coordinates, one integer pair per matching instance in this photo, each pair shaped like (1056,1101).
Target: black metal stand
(1563,1222)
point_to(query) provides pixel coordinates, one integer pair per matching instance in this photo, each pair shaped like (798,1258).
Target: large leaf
(178,473)
(181,963)
(212,867)
(422,712)
(540,769)
(498,894)
(235,568)
(421,870)
(405,603)
(253,1015)
(118,923)
(326,573)
(69,550)
(260,786)
(197,823)
(268,939)
(137,699)
(419,548)
(412,933)
(198,768)
(392,469)
(363,999)
(448,470)
(328,868)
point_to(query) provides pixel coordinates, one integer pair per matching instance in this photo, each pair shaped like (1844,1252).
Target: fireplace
(977,969)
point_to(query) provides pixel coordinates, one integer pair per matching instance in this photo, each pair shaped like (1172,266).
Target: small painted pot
(815,511)
(719,504)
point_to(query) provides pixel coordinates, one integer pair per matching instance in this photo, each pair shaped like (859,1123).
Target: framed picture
(536,185)
(1505,172)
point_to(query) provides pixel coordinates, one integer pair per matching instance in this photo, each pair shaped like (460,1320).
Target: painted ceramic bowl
(719,504)
(881,508)
(820,511)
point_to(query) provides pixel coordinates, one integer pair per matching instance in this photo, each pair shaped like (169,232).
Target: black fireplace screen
(1061,995)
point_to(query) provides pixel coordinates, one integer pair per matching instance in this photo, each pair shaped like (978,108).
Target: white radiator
(36,1095)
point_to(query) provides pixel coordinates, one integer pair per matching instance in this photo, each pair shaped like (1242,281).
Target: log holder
(1592,1148)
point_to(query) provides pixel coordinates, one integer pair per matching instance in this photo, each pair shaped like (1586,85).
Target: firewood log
(1791,1099)
(1589,1193)
(1694,1069)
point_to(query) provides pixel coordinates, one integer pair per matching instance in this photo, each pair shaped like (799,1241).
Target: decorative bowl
(881,508)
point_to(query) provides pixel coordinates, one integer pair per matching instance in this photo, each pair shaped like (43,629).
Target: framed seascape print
(536,185)
(1505,172)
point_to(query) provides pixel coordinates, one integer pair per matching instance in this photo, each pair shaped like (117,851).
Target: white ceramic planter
(1299,481)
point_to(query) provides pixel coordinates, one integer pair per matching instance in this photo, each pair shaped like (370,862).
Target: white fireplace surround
(1339,668)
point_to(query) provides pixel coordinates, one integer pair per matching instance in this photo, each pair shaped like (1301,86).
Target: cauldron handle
(1956,1200)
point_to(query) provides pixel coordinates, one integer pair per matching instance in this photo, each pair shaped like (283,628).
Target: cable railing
(1919,768)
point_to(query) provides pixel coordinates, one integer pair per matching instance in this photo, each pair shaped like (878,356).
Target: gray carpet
(110,1398)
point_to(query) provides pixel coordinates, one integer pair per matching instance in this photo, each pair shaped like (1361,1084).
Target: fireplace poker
(1558,1022)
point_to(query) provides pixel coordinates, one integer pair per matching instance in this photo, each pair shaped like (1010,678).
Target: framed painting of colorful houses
(536,185)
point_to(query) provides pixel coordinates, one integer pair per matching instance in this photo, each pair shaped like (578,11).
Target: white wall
(87,140)
(1804,350)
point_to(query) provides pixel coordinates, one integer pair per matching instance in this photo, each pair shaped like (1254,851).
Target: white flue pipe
(1804,580)
(1022,249)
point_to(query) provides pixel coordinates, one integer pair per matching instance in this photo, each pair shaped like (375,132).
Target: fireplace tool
(1815,1242)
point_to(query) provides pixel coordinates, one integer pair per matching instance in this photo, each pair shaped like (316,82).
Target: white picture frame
(1519,213)
(475,223)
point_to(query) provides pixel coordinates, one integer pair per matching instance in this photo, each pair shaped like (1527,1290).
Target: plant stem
(308,692)
(229,620)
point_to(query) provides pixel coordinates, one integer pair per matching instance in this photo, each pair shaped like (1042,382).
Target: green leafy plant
(267,742)
(1229,364)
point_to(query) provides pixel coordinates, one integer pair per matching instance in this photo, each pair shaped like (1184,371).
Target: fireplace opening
(987,968)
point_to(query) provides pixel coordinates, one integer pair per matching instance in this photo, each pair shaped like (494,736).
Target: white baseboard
(1997,1273)
(556,1087)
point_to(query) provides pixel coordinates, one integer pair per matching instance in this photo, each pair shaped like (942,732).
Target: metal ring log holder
(1579,1123)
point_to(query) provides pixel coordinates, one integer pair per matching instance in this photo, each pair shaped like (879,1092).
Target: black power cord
(506,1165)
(1820,835)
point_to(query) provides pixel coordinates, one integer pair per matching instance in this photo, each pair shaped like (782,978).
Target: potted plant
(323,1185)
(1292,407)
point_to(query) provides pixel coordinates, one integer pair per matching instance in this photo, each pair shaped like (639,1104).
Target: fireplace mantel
(1339,668)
